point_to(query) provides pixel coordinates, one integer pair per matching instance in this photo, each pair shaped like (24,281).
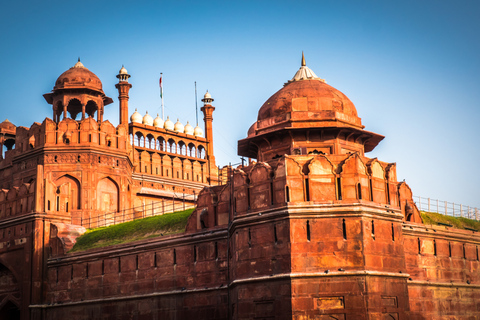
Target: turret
(123,88)
(77,91)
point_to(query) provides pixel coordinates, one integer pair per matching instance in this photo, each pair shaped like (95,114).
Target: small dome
(78,77)
(207,98)
(198,132)
(179,127)
(147,119)
(168,124)
(158,122)
(136,117)
(189,129)
(123,71)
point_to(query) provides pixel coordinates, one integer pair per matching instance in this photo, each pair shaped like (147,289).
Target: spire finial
(78,59)
(303,60)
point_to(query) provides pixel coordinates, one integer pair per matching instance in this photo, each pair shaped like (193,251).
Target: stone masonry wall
(444,268)
(171,277)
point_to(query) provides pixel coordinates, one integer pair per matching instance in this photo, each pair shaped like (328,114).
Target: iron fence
(154,208)
(446,208)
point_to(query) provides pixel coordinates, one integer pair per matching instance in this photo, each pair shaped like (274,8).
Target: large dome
(306,101)
(306,116)
(78,77)
(306,96)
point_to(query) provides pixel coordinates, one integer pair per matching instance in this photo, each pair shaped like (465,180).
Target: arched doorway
(107,200)
(67,197)
(9,311)
(9,290)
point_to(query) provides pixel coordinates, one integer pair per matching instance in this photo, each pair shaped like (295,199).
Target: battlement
(69,133)
(313,179)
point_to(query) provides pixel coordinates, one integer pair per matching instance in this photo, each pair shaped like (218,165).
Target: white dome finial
(147,119)
(198,132)
(179,126)
(169,124)
(305,73)
(123,74)
(136,117)
(207,98)
(158,122)
(78,64)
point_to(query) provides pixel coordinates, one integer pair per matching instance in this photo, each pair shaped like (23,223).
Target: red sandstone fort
(311,228)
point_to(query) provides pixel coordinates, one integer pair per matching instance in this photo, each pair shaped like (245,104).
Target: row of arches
(170,167)
(65,195)
(77,110)
(170,145)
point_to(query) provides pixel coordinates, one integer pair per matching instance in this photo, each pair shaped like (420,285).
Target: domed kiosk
(307,116)
(77,91)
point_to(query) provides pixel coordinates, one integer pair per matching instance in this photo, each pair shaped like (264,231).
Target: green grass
(459,223)
(166,224)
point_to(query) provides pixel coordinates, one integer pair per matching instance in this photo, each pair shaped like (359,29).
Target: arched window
(68,193)
(74,107)
(150,142)
(172,146)
(138,139)
(191,150)
(182,149)
(160,144)
(201,152)
(91,108)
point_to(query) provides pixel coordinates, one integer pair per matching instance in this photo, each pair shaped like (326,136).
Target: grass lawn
(456,222)
(162,225)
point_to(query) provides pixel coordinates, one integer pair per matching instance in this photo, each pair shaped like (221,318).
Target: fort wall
(326,276)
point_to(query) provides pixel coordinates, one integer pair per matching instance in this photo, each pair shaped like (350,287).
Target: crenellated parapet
(17,200)
(314,179)
(67,134)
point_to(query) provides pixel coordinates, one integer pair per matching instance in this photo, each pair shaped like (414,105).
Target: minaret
(207,110)
(123,87)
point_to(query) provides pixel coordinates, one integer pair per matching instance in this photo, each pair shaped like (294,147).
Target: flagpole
(161,95)
(196,106)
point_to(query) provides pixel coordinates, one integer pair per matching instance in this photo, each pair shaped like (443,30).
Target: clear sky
(410,67)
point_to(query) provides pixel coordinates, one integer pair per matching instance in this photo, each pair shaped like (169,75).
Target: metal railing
(447,208)
(154,208)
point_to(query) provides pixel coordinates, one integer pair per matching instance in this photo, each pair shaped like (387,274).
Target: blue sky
(410,67)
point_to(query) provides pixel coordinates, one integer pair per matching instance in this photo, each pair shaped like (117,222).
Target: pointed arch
(90,108)
(201,152)
(74,108)
(171,146)
(150,141)
(182,149)
(139,139)
(160,144)
(191,150)
(10,290)
(107,195)
(67,193)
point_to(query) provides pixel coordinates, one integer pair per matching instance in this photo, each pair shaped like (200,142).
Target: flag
(161,87)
